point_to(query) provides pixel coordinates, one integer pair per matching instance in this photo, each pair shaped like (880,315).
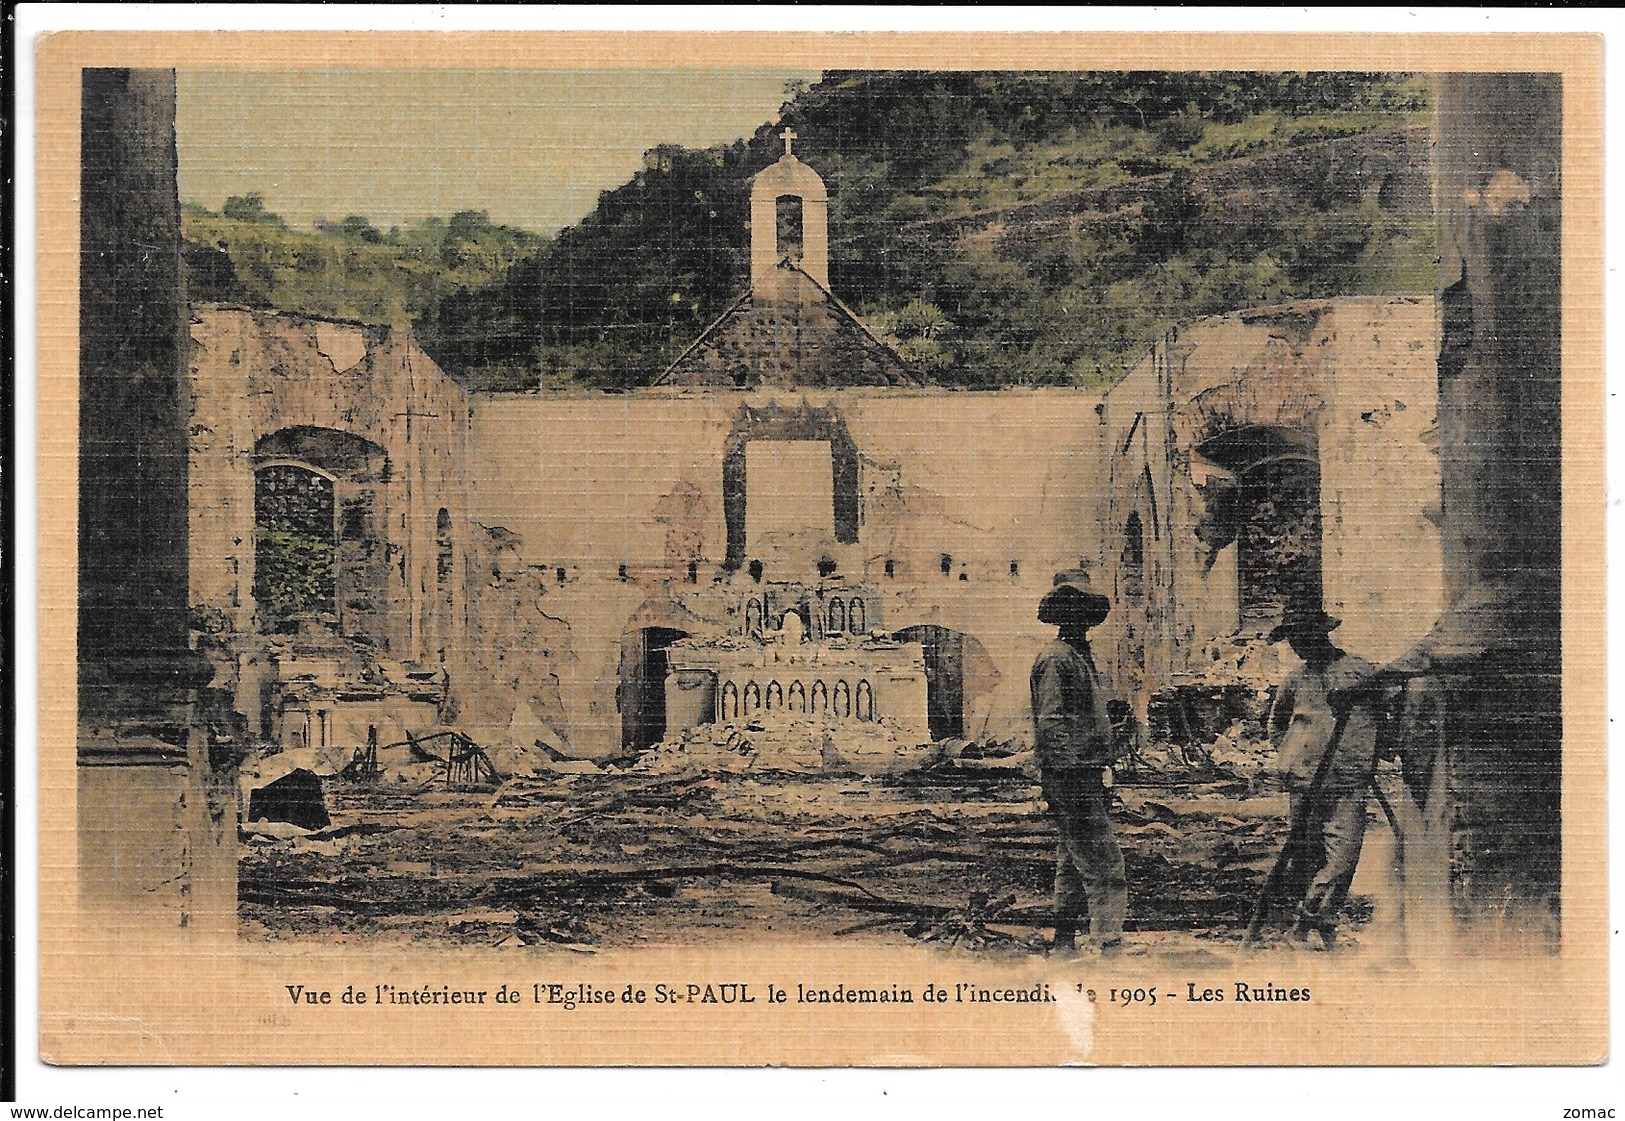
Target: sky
(533,148)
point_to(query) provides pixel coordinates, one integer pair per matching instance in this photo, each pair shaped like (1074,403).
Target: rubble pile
(800,746)
(1212,723)
(960,850)
(1242,750)
(1246,659)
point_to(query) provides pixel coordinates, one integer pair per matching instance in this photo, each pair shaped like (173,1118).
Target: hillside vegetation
(348,269)
(941,186)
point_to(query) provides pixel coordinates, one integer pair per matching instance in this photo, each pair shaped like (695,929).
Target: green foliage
(615,297)
(294,554)
(250,208)
(899,150)
(348,269)
(611,301)
(293,574)
(920,332)
(353,228)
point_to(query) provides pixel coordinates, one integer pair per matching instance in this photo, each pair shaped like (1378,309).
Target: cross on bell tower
(788,136)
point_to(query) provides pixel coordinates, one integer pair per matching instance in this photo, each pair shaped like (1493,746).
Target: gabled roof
(808,340)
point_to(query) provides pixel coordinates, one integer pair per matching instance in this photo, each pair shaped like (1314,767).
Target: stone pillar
(1495,658)
(133,344)
(156,824)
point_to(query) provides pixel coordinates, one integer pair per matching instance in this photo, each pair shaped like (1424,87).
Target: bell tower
(789,222)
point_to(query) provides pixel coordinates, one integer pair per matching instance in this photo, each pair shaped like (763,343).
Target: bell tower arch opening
(789,232)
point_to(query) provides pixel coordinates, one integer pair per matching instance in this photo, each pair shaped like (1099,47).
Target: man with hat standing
(1075,747)
(1327,754)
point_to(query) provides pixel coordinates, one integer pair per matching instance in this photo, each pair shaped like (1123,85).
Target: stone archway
(641,696)
(798,425)
(1269,507)
(958,669)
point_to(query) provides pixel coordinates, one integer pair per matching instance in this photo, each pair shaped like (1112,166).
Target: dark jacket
(1070,726)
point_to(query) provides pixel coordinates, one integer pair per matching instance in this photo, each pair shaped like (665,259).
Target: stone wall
(968,504)
(579,526)
(1347,386)
(800,336)
(368,409)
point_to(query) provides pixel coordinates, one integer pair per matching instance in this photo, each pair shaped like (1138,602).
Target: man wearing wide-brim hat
(1075,748)
(1326,755)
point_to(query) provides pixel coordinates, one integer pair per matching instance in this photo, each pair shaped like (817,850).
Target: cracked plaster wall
(590,484)
(1359,375)
(256,374)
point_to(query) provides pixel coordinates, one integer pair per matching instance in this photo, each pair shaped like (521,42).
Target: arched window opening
(792,473)
(835,620)
(857,617)
(295,546)
(1133,566)
(349,585)
(753,697)
(442,547)
(841,701)
(1269,508)
(729,705)
(775,695)
(866,701)
(820,697)
(798,697)
(1278,558)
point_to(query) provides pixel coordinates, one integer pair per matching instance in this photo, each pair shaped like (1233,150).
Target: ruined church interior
(579,666)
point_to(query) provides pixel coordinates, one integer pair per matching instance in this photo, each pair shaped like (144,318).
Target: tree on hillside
(353,228)
(250,208)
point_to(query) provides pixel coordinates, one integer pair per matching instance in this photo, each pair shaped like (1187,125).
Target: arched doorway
(958,669)
(642,694)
